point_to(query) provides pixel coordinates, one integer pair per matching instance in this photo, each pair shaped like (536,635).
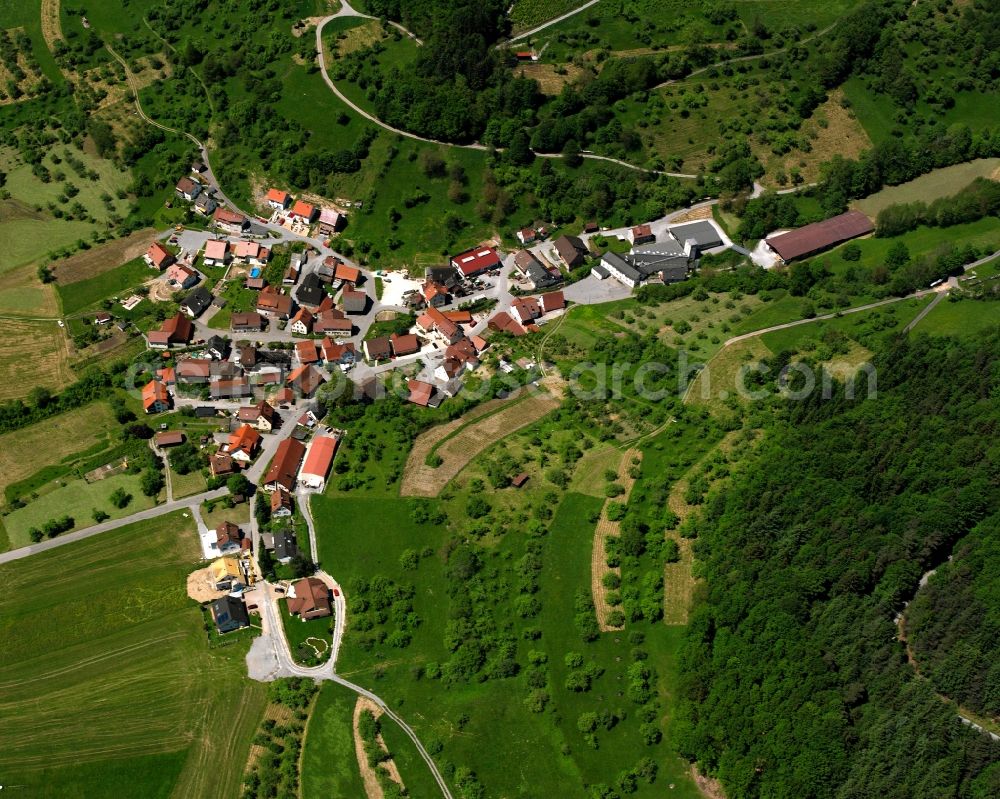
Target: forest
(794,681)
(953,623)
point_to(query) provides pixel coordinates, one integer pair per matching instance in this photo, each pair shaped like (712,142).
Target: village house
(553,301)
(187,189)
(221,464)
(447,276)
(330,221)
(251,253)
(285,465)
(235,388)
(525,309)
(158,256)
(421,392)
(571,250)
(640,234)
(310,291)
(246,322)
(286,546)
(347,275)
(304,211)
(193,370)
(229,538)
(476,261)
(281,503)
(196,302)
(335,353)
(302,322)
(181,276)
(317,462)
(262,416)
(217,347)
(216,252)
(305,351)
(243,443)
(230,614)
(205,204)
(175,330)
(271,303)
(354,302)
(309,598)
(407,344)
(278,199)
(226,574)
(533,271)
(305,380)
(333,323)
(326,270)
(527,235)
(378,349)
(155,397)
(433,321)
(502,322)
(434,294)
(229,221)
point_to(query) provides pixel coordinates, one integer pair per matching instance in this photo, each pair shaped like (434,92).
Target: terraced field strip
(372,786)
(458,444)
(605,529)
(280,715)
(51,24)
(36,348)
(678,578)
(97,260)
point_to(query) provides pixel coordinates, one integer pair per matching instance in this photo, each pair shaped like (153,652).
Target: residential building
(476,261)
(262,416)
(305,351)
(378,349)
(421,392)
(553,301)
(281,504)
(302,322)
(158,256)
(310,291)
(502,322)
(277,199)
(230,221)
(303,210)
(333,323)
(193,370)
(525,309)
(221,464)
(187,189)
(571,250)
(316,467)
(235,388)
(175,330)
(181,276)
(243,443)
(155,397)
(205,204)
(248,322)
(305,380)
(218,347)
(337,353)
(228,538)
(286,547)
(447,276)
(433,321)
(407,344)
(216,252)
(309,598)
(640,234)
(347,274)
(196,302)
(251,253)
(272,303)
(285,465)
(230,614)
(355,302)
(330,221)
(434,294)
(226,573)
(527,235)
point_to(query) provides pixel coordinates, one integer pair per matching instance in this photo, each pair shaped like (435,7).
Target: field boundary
(606,529)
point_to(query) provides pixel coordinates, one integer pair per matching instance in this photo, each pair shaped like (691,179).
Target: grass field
(78,499)
(328,766)
(110,689)
(23,294)
(83,294)
(52,440)
(33,354)
(37,231)
(90,263)
(960,318)
(927,188)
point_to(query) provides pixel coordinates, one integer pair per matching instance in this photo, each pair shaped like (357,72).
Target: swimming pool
(255,272)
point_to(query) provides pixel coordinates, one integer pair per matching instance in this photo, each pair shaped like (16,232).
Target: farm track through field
(420,480)
(607,529)
(368,775)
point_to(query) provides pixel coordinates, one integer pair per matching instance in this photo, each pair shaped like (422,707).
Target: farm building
(316,467)
(819,236)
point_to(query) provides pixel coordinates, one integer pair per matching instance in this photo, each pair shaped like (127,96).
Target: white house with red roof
(216,252)
(278,200)
(158,256)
